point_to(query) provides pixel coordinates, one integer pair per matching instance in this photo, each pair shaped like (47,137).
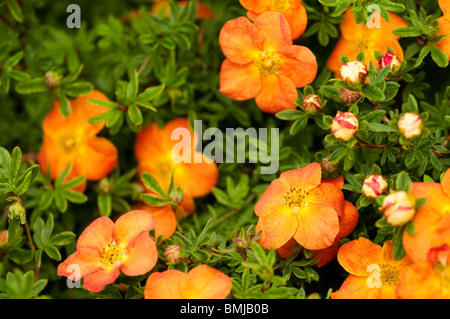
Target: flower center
(295,198)
(69,143)
(112,256)
(268,63)
(279,5)
(389,274)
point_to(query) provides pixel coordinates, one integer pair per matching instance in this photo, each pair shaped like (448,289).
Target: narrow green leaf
(151,183)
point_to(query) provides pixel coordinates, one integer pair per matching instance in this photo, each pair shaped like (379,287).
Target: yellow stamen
(280,5)
(295,198)
(113,256)
(389,274)
(268,63)
(69,143)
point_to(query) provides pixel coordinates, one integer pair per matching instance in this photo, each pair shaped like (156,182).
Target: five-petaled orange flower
(428,280)
(73,139)
(298,205)
(292,10)
(347,224)
(262,63)
(431,221)
(373,273)
(444,26)
(159,151)
(201,282)
(106,247)
(356,38)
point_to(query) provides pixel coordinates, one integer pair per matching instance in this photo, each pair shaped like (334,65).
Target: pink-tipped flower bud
(4,237)
(374,186)
(345,125)
(173,254)
(410,125)
(312,104)
(398,208)
(390,59)
(349,96)
(240,243)
(52,78)
(354,73)
(327,166)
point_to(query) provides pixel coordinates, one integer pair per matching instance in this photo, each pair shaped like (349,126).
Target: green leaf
(289,115)
(38,286)
(298,124)
(36,85)
(15,9)
(372,92)
(62,239)
(151,93)
(135,115)
(21,256)
(153,200)
(61,202)
(410,228)
(221,196)
(52,252)
(403,182)
(74,197)
(64,105)
(79,88)
(439,56)
(16,160)
(406,32)
(12,61)
(151,183)
(63,175)
(397,242)
(104,204)
(378,127)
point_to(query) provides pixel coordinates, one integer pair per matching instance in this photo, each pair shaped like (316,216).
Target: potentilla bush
(225,149)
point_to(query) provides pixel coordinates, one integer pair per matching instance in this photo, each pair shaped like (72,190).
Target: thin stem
(33,248)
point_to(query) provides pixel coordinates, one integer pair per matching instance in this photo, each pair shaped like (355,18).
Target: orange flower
(262,62)
(73,139)
(201,282)
(431,221)
(298,205)
(444,26)
(166,221)
(429,280)
(292,10)
(106,247)
(156,154)
(356,38)
(373,272)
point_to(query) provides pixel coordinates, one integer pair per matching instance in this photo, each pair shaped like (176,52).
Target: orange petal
(299,65)
(166,222)
(96,159)
(257,6)
(277,94)
(420,282)
(50,158)
(142,256)
(96,281)
(434,193)
(179,123)
(205,282)
(274,29)
(326,255)
(355,287)
(240,40)
(240,82)
(272,196)
(132,224)
(327,195)
(278,225)
(197,179)
(97,235)
(79,264)
(164,285)
(357,255)
(317,227)
(287,249)
(148,142)
(349,221)
(305,178)
(338,182)
(297,19)
(445,6)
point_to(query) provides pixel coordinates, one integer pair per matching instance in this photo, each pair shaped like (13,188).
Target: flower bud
(410,125)
(52,78)
(327,166)
(374,186)
(398,208)
(349,96)
(4,237)
(173,254)
(312,104)
(390,59)
(16,210)
(345,125)
(105,186)
(440,254)
(240,243)
(353,73)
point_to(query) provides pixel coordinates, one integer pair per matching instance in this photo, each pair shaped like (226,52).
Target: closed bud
(16,210)
(374,186)
(398,208)
(240,243)
(327,166)
(312,104)
(349,96)
(353,73)
(410,125)
(390,59)
(173,254)
(345,125)
(52,78)
(105,186)
(4,237)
